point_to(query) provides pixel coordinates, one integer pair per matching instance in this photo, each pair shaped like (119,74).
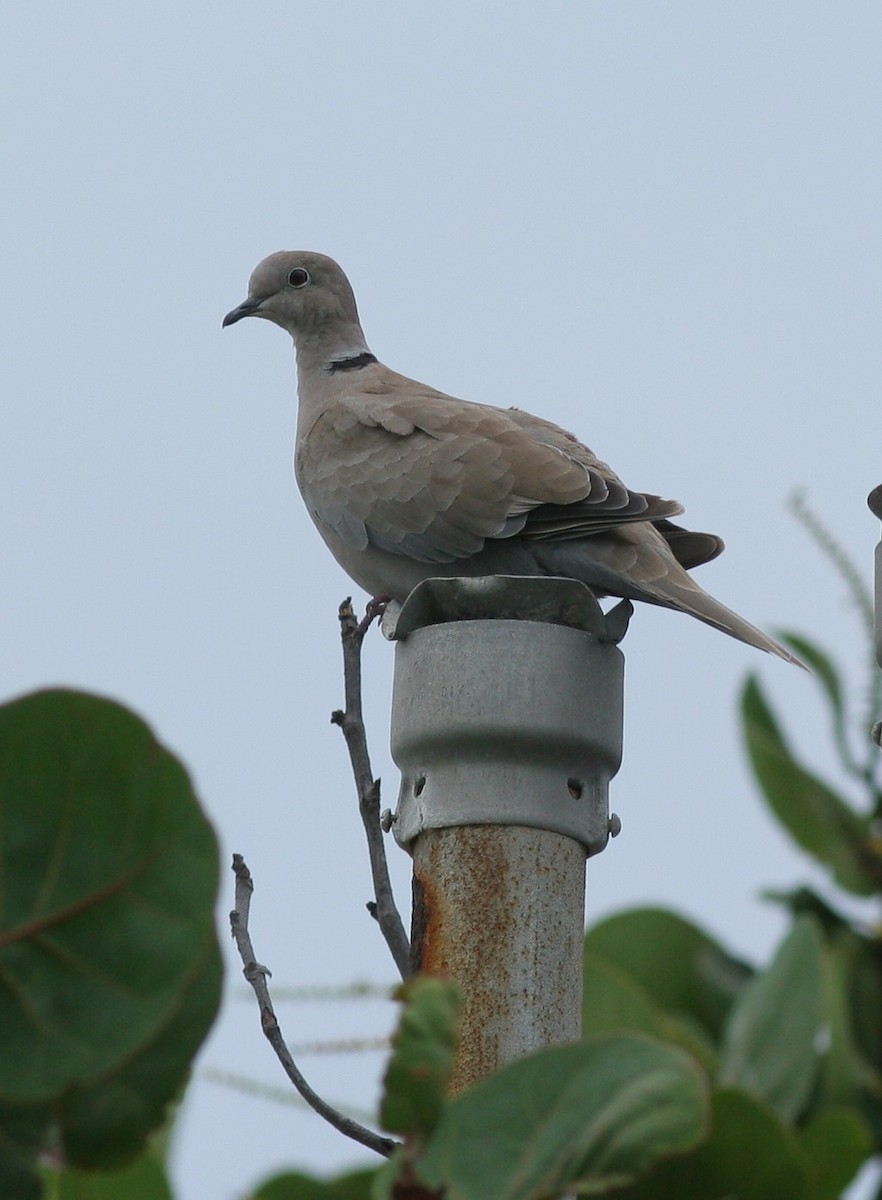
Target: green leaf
(840,1069)
(824,671)
(833,1147)
(771,1042)
(851,1073)
(422,1056)
(291,1185)
(749,1155)
(864,991)
(612,1002)
(104,1123)
(815,816)
(23,1132)
(586,1116)
(678,965)
(144,1179)
(804,901)
(109,963)
(389,1177)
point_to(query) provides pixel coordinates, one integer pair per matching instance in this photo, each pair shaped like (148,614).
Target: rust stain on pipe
(489,913)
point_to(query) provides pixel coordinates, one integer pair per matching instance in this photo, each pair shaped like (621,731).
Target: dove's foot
(374,609)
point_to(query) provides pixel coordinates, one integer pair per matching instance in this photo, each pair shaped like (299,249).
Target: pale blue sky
(658,225)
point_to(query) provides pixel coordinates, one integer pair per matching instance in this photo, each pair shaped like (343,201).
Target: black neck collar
(355,363)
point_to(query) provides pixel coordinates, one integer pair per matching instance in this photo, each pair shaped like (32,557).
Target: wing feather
(434,478)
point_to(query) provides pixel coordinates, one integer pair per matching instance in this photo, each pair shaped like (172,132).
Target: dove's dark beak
(246,309)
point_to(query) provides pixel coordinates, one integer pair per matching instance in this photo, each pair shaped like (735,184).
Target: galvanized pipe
(500,909)
(507,727)
(875,502)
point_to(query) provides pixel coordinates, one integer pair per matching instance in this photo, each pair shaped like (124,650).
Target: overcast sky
(658,225)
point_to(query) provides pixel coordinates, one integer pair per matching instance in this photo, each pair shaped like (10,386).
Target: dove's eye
(298,278)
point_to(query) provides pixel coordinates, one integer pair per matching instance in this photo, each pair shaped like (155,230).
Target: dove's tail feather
(699,603)
(647,568)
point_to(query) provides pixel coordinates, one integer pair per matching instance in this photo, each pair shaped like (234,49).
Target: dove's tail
(698,603)
(639,563)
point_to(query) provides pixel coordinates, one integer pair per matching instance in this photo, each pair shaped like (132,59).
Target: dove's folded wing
(433,478)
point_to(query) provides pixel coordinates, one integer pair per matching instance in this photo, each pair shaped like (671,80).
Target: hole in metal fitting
(419,784)
(575,787)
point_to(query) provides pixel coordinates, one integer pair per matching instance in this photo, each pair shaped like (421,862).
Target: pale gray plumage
(404,482)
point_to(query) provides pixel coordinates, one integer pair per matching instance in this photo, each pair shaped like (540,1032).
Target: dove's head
(303,292)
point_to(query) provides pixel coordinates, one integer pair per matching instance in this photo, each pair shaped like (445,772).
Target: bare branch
(257,976)
(351,721)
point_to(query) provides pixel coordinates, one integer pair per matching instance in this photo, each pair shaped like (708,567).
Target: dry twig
(257,977)
(351,721)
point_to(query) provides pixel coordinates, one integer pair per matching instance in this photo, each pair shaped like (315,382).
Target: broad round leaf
(423,1047)
(109,964)
(833,1148)
(104,1123)
(613,1002)
(771,1045)
(588,1115)
(749,1155)
(292,1185)
(676,963)
(144,1179)
(22,1134)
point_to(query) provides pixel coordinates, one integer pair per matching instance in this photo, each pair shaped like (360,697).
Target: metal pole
(875,502)
(507,727)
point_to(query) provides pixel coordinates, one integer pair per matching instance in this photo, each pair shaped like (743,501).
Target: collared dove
(405,482)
